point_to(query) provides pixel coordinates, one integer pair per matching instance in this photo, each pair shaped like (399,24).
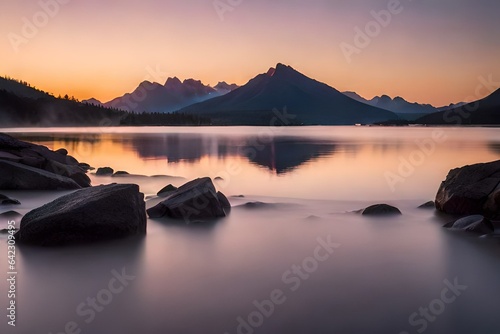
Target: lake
(303,262)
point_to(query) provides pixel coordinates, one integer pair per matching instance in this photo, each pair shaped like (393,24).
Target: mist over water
(209,278)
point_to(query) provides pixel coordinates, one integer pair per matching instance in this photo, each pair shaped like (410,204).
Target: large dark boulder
(88,215)
(15,176)
(194,200)
(30,157)
(471,190)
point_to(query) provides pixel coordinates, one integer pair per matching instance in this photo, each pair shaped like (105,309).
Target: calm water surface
(217,278)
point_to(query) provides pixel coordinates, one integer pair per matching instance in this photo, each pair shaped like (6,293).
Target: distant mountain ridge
(173,95)
(309,101)
(404,109)
(483,112)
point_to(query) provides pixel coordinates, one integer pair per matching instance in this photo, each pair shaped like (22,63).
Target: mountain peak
(271,71)
(173,82)
(282,68)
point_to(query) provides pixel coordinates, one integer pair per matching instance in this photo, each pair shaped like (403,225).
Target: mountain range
(172,96)
(308,101)
(280,96)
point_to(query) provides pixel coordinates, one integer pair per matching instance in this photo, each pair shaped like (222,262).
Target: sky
(427,51)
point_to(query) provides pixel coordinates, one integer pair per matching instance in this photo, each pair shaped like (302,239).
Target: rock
(4,200)
(11,215)
(194,200)
(85,166)
(121,173)
(166,190)
(428,205)
(62,151)
(15,176)
(492,205)
(380,210)
(471,190)
(238,196)
(475,224)
(259,205)
(39,158)
(74,172)
(223,200)
(104,171)
(88,215)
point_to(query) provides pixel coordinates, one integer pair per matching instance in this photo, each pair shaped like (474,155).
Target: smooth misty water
(201,279)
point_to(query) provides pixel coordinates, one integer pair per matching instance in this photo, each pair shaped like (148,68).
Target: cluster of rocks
(91,213)
(26,166)
(115,211)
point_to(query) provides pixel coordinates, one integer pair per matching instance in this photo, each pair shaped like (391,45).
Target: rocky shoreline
(105,212)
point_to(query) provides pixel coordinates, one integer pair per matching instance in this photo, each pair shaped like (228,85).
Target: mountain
(224,88)
(483,112)
(24,106)
(451,106)
(308,101)
(21,88)
(404,109)
(93,101)
(173,95)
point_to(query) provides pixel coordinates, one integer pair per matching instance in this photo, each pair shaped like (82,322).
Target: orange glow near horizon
(428,53)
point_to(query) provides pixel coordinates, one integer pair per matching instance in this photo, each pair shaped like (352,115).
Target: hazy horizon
(424,51)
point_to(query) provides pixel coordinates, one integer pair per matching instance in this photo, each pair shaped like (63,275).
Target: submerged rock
(104,171)
(88,215)
(380,210)
(121,173)
(473,189)
(428,205)
(11,214)
(194,200)
(4,200)
(475,224)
